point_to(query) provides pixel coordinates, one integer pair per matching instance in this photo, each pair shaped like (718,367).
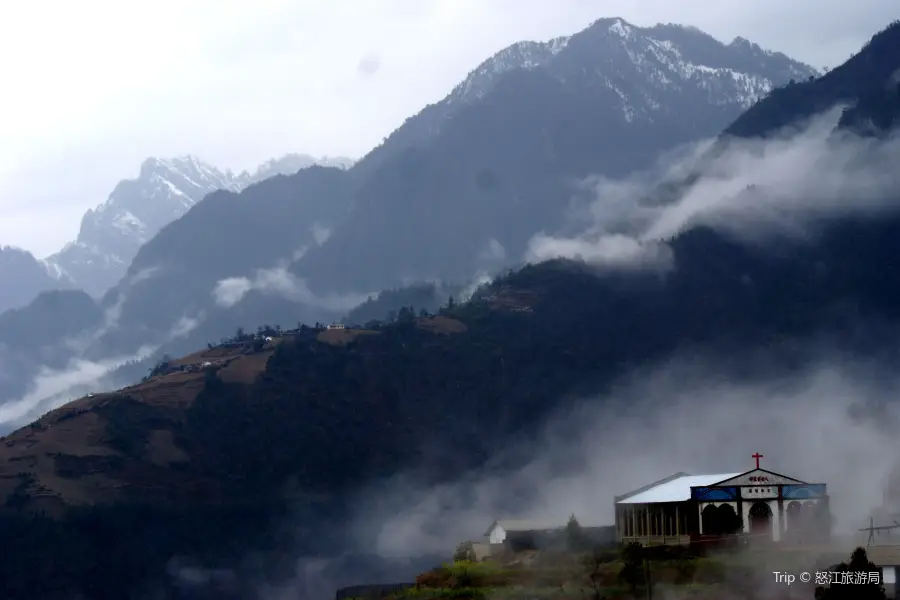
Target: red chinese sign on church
(758,479)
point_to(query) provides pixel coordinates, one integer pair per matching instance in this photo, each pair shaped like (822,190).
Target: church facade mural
(757,505)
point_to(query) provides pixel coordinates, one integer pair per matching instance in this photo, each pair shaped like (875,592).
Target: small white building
(500,529)
(537,533)
(887,559)
(336,326)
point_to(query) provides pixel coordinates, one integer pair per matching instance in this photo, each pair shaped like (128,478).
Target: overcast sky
(91,88)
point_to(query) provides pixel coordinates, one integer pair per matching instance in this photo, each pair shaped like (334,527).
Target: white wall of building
(497,535)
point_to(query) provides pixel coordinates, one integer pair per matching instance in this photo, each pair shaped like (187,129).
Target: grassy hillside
(631,573)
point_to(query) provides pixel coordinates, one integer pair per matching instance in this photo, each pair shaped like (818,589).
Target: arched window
(729,522)
(710,519)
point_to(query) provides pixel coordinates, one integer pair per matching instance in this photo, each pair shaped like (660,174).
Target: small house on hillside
(476,551)
(506,530)
(887,559)
(532,534)
(336,326)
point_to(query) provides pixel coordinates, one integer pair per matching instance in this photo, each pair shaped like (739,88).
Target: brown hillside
(131,445)
(73,456)
(441,324)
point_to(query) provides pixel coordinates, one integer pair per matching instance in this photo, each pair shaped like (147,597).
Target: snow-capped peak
(651,60)
(164,190)
(521,55)
(648,70)
(621,28)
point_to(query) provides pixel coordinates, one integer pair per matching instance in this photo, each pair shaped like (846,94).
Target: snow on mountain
(165,189)
(521,55)
(644,66)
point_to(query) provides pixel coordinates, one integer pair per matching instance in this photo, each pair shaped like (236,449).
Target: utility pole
(874,531)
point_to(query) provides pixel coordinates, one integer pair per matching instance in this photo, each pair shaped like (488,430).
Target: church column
(670,520)
(782,524)
(700,516)
(774,506)
(619,524)
(677,523)
(633,522)
(746,514)
(647,520)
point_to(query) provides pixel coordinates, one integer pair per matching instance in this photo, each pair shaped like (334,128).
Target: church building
(757,504)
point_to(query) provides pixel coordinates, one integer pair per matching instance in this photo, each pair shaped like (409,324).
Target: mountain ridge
(633,88)
(27,275)
(865,74)
(435,208)
(111,232)
(529,54)
(136,209)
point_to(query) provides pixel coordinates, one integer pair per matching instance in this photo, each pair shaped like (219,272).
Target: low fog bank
(833,420)
(90,369)
(51,388)
(786,186)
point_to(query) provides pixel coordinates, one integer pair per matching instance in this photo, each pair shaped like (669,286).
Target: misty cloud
(617,250)
(143,275)
(492,252)
(279,281)
(688,414)
(320,233)
(184,326)
(53,388)
(232,290)
(489,260)
(481,279)
(753,190)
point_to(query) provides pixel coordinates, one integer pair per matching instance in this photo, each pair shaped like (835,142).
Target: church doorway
(761,520)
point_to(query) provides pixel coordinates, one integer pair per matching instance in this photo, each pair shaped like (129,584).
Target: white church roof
(675,490)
